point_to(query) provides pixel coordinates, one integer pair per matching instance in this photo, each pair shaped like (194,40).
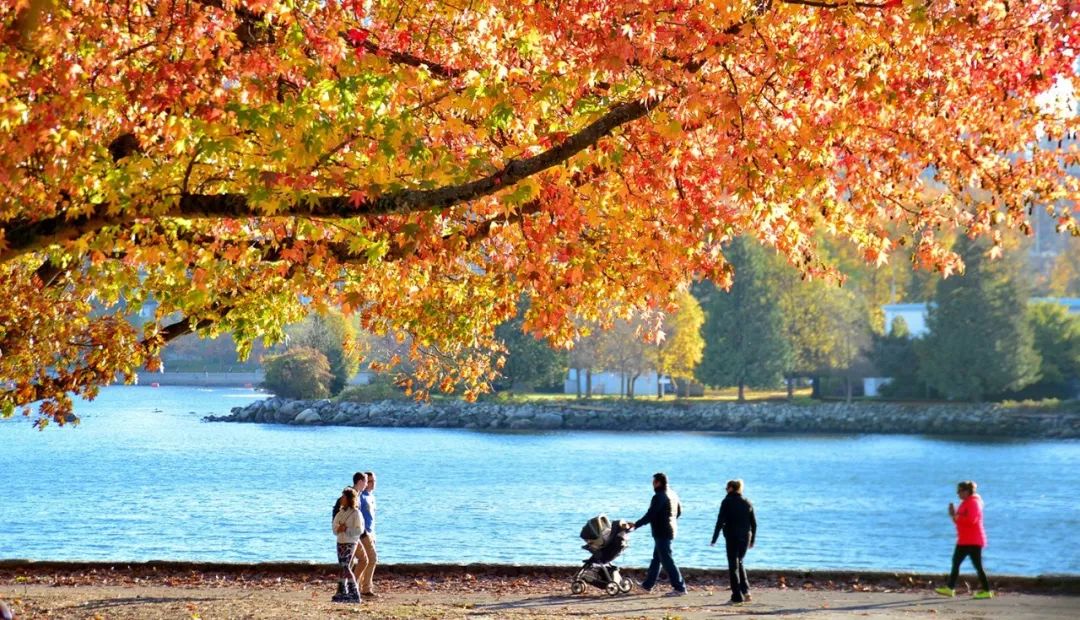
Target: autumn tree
(678,353)
(333,335)
(807,323)
(980,343)
(622,350)
(743,331)
(300,372)
(423,165)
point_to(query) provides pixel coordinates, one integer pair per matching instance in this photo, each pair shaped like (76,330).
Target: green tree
(744,340)
(895,356)
(680,352)
(1057,339)
(530,362)
(300,372)
(980,343)
(808,325)
(333,335)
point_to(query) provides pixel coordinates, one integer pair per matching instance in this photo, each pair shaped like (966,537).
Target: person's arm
(654,506)
(335,523)
(967,513)
(355,525)
(753,525)
(719,525)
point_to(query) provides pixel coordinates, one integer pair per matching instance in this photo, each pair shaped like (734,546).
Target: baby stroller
(605,540)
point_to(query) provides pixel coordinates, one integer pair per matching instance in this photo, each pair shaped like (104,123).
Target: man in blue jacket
(664,511)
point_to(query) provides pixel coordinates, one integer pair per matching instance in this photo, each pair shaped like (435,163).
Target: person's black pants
(975,553)
(736,551)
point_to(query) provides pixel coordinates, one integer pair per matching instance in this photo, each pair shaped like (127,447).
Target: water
(142,478)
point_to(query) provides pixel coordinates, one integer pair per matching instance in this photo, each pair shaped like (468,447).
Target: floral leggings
(344,557)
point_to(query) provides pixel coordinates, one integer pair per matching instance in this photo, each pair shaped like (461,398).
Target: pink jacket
(969,522)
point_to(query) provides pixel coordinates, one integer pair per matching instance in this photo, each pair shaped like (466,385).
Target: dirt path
(161,602)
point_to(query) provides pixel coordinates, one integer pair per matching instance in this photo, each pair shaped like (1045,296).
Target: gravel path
(312,601)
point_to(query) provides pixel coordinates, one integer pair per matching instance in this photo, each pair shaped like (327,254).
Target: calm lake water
(143,478)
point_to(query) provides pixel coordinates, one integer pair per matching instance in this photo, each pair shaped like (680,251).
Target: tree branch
(24,235)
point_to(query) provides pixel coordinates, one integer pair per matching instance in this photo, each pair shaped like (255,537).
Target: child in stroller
(605,540)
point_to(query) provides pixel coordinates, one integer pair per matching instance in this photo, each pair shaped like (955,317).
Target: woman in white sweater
(349,527)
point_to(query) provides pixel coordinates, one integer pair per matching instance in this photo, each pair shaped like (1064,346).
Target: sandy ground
(153,602)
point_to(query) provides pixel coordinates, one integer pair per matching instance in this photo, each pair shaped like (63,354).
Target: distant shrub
(1045,403)
(300,372)
(380,388)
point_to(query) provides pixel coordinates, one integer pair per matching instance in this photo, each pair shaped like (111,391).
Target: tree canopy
(424,165)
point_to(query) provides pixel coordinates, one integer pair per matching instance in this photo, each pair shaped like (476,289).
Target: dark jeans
(961,552)
(736,551)
(662,556)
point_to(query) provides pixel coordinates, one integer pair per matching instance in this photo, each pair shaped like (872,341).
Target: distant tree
(530,363)
(336,338)
(300,372)
(744,340)
(808,325)
(895,356)
(678,354)
(1057,339)
(1064,277)
(851,324)
(584,358)
(980,342)
(622,350)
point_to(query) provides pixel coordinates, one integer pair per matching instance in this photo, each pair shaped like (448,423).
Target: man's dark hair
(358,476)
(660,477)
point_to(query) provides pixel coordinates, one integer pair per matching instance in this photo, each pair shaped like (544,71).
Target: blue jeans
(661,556)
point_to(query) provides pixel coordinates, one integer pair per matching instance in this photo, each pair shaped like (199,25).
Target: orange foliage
(425,164)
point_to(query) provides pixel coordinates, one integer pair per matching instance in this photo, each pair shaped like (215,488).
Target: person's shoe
(984,594)
(747,598)
(946,591)
(339,596)
(641,586)
(676,593)
(370,594)
(735,601)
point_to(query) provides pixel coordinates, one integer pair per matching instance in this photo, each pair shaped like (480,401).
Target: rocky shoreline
(988,420)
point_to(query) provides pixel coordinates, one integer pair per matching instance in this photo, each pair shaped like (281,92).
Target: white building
(613,383)
(914,314)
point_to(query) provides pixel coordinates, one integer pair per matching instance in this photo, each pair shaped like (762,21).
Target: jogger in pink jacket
(970,538)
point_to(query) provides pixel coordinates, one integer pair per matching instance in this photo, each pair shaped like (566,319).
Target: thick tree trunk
(588,383)
(659,388)
(847,389)
(791,388)
(742,392)
(577,381)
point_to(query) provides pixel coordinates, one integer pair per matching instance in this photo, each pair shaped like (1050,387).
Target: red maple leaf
(357,36)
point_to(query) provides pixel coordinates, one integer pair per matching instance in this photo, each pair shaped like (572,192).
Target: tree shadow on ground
(657,606)
(108,603)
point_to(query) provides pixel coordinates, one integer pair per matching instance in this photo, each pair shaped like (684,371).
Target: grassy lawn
(802,396)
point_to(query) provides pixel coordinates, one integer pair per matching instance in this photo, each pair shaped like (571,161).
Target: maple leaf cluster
(227,165)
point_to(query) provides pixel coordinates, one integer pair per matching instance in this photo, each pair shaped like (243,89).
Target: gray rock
(549,420)
(307,416)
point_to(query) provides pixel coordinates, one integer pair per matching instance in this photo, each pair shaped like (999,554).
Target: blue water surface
(143,478)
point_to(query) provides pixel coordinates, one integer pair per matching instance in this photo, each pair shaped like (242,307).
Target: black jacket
(664,509)
(736,519)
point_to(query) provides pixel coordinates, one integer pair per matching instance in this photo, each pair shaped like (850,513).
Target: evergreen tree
(1057,339)
(530,362)
(980,343)
(744,340)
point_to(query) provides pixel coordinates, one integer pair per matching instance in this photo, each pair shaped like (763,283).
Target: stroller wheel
(577,587)
(626,585)
(612,588)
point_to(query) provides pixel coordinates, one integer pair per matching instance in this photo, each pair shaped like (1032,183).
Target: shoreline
(990,420)
(54,572)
